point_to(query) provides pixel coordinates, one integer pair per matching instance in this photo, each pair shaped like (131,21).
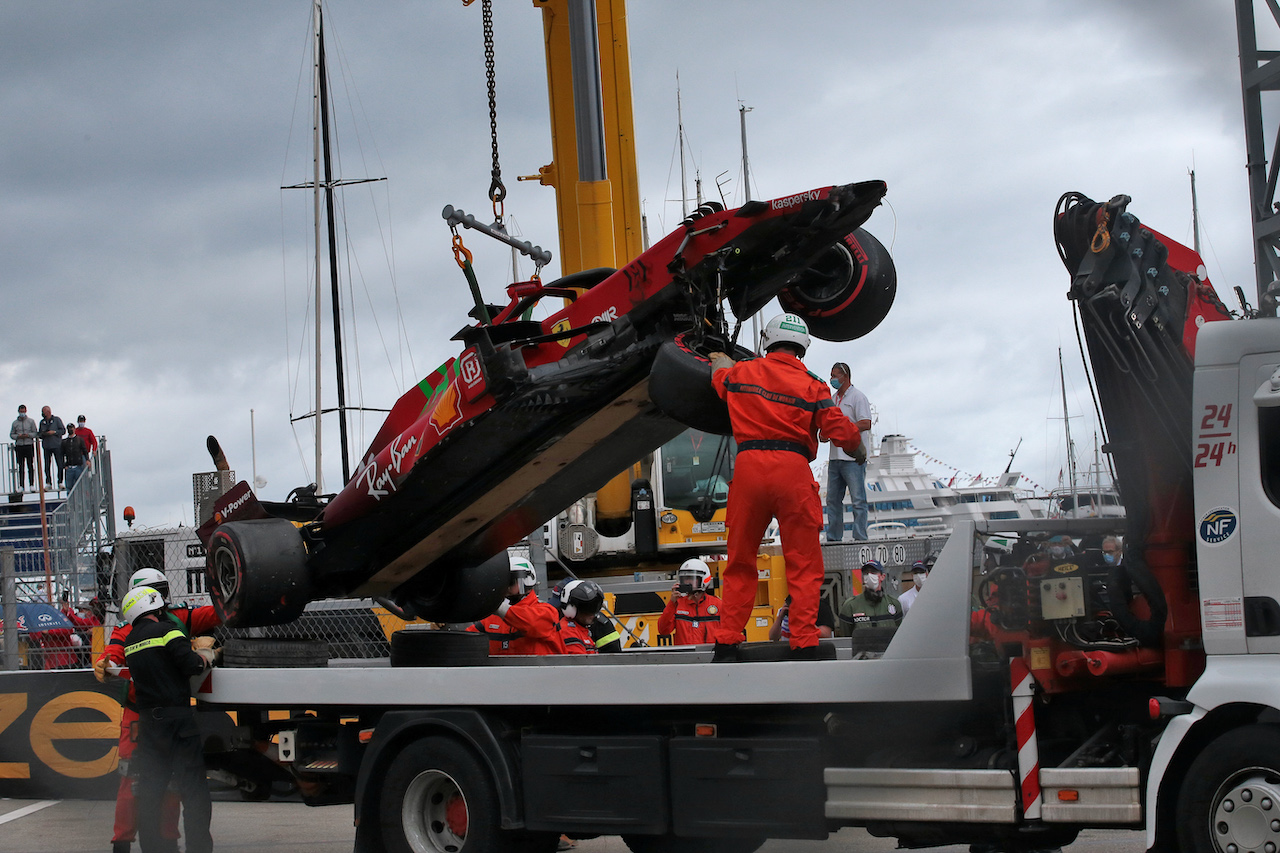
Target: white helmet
(153,578)
(139,602)
(695,573)
(785,329)
(522,572)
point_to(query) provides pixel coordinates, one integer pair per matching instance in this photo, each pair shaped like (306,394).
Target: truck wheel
(255,653)
(848,291)
(438,798)
(257,572)
(460,593)
(681,844)
(1230,800)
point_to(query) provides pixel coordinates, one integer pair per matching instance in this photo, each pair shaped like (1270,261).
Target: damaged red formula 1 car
(532,415)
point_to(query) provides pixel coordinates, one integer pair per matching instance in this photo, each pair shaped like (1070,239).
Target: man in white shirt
(919,571)
(844,473)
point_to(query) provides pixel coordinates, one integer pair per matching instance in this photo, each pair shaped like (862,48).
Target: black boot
(120,847)
(727,653)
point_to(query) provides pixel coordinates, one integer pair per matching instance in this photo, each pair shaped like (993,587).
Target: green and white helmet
(522,571)
(785,329)
(140,601)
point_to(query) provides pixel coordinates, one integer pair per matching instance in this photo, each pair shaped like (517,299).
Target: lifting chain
(497,192)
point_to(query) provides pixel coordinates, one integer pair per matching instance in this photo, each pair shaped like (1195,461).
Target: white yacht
(907,502)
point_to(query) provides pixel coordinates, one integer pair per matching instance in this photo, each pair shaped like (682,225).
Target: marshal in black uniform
(161,661)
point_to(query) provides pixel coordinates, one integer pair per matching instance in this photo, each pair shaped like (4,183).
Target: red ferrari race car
(532,415)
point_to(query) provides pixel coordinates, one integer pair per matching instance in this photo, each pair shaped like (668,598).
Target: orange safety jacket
(528,628)
(691,621)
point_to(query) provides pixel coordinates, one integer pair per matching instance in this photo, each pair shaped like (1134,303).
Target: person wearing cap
(90,440)
(74,454)
(875,606)
(844,472)
(776,409)
(23,435)
(692,613)
(161,663)
(919,571)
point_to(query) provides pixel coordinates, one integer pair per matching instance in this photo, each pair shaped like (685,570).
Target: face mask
(871,582)
(918,577)
(1109,558)
(835,383)
(1057,552)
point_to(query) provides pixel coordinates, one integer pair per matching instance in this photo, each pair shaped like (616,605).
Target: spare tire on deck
(255,653)
(429,647)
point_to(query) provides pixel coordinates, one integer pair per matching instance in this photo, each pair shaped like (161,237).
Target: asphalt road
(72,826)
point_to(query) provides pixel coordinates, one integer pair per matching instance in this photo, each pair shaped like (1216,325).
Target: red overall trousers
(777,409)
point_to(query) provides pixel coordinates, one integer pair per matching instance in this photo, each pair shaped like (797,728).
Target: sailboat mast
(743,109)
(684,187)
(315,219)
(333,258)
(1195,215)
(1066,425)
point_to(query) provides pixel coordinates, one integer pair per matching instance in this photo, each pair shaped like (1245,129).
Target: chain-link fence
(352,628)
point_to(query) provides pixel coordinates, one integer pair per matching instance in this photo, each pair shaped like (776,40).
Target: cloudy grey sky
(155,276)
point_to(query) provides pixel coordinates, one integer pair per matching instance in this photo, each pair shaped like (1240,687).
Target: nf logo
(1218,525)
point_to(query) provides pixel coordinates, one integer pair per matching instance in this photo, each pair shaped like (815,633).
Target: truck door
(1259,455)
(1218,463)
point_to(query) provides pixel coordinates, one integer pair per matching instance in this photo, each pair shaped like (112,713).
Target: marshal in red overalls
(777,409)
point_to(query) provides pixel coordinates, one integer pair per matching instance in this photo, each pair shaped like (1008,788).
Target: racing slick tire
(680,385)
(438,797)
(848,291)
(681,844)
(460,593)
(257,572)
(255,653)
(1231,794)
(426,647)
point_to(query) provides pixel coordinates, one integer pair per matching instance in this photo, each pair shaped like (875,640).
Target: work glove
(210,657)
(198,643)
(860,455)
(719,361)
(100,669)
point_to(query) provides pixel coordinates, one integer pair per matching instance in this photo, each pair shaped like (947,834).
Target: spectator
(781,627)
(74,454)
(1112,551)
(874,607)
(50,431)
(90,440)
(23,434)
(843,471)
(919,571)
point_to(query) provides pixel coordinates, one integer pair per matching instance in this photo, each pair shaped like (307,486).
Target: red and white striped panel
(1028,755)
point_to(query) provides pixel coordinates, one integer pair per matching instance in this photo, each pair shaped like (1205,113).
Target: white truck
(1028,694)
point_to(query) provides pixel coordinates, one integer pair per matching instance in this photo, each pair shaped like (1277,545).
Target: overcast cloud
(156,278)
